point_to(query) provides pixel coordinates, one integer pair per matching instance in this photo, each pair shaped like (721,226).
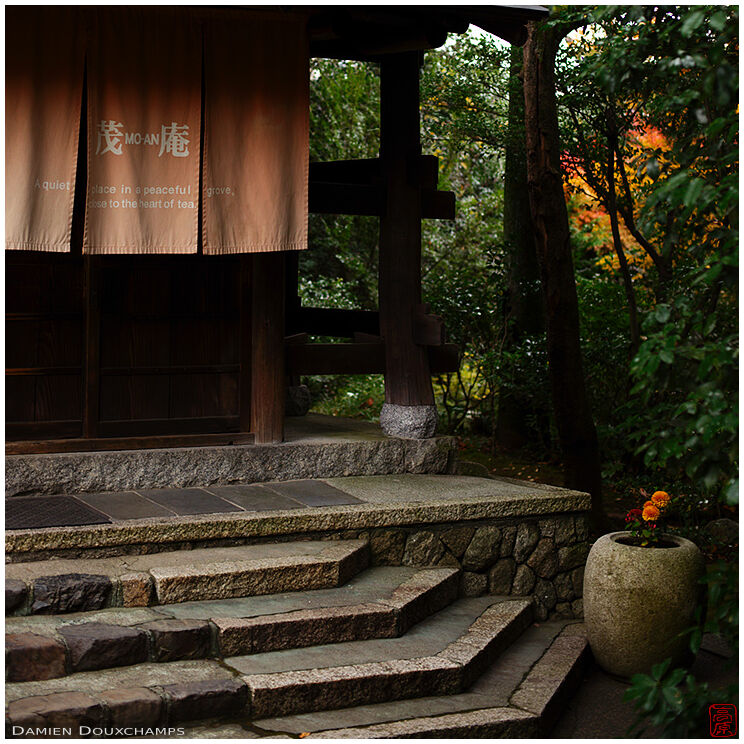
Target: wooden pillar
(267,348)
(292,302)
(92,377)
(407,375)
(246,333)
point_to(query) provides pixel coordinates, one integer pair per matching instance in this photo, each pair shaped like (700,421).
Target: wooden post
(92,376)
(246,330)
(407,375)
(267,348)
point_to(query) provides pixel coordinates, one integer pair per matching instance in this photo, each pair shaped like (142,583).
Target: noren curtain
(44,58)
(190,113)
(256,135)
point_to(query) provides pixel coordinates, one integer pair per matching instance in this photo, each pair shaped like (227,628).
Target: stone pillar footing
(408,422)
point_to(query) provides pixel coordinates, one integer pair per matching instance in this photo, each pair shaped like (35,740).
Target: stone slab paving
(67,511)
(126,505)
(184,501)
(313,493)
(255,497)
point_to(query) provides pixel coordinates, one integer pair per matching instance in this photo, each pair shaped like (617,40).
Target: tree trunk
(518,414)
(578,437)
(635,328)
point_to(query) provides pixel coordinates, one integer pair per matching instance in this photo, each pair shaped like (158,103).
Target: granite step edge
(531,712)
(51,588)
(553,679)
(447,672)
(54,647)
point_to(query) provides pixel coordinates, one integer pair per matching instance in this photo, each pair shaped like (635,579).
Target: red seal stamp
(722,720)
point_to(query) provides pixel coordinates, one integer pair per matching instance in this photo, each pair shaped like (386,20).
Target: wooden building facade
(127,351)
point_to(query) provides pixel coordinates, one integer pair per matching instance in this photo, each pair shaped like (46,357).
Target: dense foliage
(648,108)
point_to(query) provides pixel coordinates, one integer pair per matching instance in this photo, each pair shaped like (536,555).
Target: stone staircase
(276,640)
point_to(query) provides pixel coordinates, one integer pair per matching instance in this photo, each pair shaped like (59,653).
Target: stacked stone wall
(540,557)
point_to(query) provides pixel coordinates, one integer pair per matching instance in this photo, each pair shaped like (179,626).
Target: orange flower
(661,499)
(650,512)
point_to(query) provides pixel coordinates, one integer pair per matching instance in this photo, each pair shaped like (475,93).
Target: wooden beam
(359,359)
(125,443)
(428,330)
(355,187)
(437,205)
(444,358)
(267,348)
(296,338)
(372,37)
(336,359)
(407,374)
(345,198)
(319,321)
(35,371)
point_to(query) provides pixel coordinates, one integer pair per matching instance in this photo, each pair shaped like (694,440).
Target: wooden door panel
(168,348)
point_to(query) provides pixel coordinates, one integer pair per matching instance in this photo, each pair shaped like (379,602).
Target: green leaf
(731,494)
(693,191)
(659,670)
(718,21)
(662,313)
(696,638)
(692,22)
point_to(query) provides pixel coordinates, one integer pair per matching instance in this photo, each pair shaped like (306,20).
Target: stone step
(61,586)
(441,655)
(520,695)
(382,602)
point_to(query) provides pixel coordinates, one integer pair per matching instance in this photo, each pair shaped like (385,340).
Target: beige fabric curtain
(256,151)
(147,71)
(44,57)
(144,101)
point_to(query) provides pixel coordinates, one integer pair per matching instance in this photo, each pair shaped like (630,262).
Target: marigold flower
(661,499)
(650,512)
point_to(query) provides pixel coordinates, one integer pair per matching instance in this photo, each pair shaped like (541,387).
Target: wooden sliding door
(44,345)
(126,346)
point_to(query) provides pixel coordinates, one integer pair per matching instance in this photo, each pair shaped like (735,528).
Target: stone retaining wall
(542,558)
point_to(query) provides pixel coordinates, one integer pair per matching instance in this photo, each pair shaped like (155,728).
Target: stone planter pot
(637,601)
